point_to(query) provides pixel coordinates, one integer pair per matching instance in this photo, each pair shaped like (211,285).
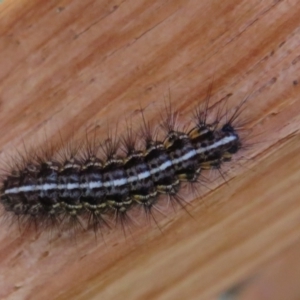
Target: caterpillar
(84,189)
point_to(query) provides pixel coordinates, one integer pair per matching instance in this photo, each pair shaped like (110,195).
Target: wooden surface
(68,66)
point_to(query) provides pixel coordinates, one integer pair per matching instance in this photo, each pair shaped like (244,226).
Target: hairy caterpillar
(86,189)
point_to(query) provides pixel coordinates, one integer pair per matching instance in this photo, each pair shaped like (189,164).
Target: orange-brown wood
(68,66)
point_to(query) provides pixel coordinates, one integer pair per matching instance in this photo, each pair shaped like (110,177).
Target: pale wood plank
(68,65)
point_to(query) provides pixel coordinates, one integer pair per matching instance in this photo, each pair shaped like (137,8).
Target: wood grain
(68,66)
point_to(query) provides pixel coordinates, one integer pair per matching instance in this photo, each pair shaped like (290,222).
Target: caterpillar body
(46,191)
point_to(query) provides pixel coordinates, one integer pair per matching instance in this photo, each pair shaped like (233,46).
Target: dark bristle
(228,128)
(169,118)
(129,141)
(110,147)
